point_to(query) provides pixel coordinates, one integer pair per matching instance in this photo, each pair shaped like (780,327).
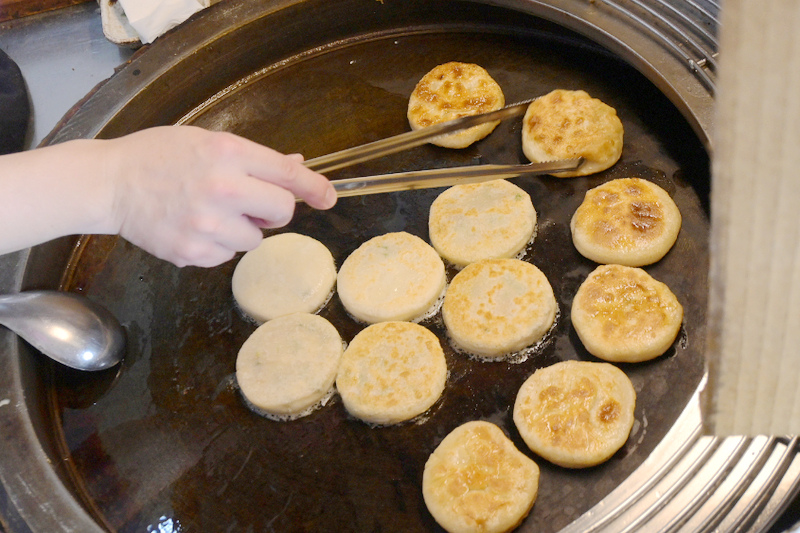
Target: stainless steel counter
(63,55)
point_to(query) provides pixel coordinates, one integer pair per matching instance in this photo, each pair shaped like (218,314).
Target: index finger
(289,173)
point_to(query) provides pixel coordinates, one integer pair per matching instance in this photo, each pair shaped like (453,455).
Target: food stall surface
(63,55)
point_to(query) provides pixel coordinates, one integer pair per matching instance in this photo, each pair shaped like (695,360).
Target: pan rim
(76,125)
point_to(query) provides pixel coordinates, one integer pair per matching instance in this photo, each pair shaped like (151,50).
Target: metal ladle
(66,327)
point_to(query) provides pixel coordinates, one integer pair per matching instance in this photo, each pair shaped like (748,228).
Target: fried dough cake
(496,307)
(477,481)
(287,273)
(395,276)
(391,372)
(289,364)
(627,221)
(451,91)
(575,413)
(489,220)
(622,314)
(569,124)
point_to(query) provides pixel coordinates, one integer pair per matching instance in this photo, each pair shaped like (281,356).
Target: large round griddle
(166,439)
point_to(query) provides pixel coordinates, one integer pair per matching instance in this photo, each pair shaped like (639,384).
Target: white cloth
(151,18)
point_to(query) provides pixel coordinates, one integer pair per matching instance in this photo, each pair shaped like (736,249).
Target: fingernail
(331,197)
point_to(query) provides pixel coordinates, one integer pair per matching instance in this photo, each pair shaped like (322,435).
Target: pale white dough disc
(289,364)
(575,413)
(627,221)
(477,481)
(395,276)
(567,124)
(391,372)
(451,91)
(496,307)
(622,314)
(490,220)
(287,273)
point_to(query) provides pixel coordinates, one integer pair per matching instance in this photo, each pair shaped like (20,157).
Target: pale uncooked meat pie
(289,364)
(288,273)
(395,276)
(491,220)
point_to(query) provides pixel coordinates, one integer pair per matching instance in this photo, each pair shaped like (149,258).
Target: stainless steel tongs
(423,179)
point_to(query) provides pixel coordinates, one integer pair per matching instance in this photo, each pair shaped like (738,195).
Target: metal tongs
(423,179)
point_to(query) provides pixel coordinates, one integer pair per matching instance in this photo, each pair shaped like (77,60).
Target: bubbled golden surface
(477,481)
(575,413)
(622,314)
(627,221)
(567,124)
(453,90)
(391,372)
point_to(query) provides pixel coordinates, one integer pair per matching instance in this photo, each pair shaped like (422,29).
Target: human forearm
(184,194)
(54,191)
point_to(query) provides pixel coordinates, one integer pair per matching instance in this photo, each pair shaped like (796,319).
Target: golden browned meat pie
(451,91)
(628,221)
(575,413)
(396,276)
(477,481)
(622,314)
(568,124)
(289,364)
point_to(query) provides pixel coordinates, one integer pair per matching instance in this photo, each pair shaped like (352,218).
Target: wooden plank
(14,9)
(754,298)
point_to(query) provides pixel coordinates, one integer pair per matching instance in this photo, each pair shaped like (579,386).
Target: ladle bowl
(67,327)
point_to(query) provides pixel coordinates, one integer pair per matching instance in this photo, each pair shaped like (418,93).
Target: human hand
(196,197)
